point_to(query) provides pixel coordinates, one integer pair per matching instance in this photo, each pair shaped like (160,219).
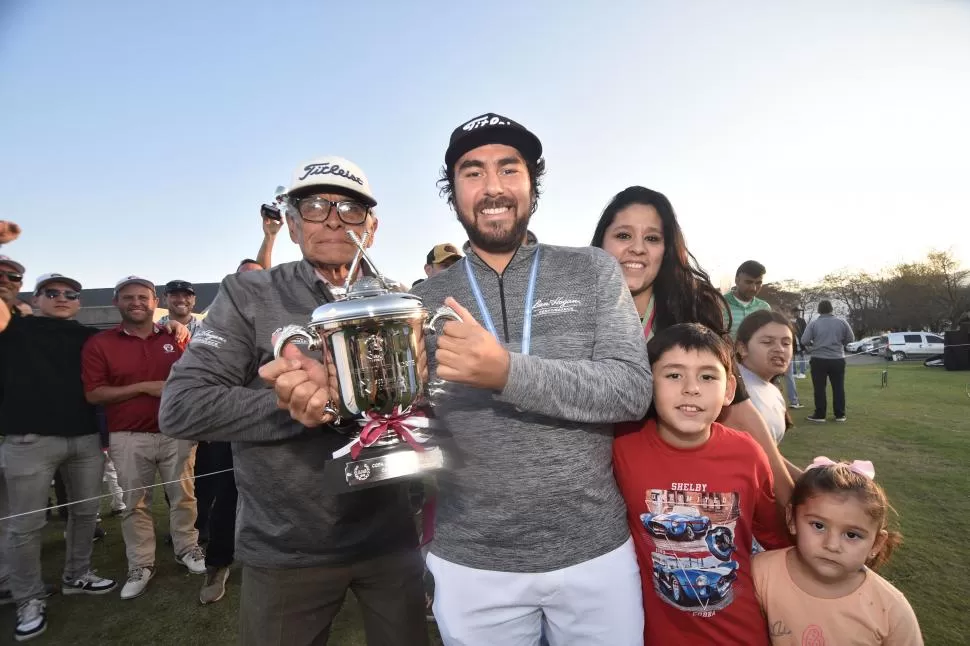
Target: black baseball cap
(179,286)
(491,128)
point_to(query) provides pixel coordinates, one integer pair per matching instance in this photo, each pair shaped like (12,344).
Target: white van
(900,346)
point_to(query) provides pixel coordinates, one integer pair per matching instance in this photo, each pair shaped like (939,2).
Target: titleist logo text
(329,169)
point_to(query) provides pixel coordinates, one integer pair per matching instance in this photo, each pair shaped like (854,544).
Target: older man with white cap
(124,369)
(301,548)
(49,427)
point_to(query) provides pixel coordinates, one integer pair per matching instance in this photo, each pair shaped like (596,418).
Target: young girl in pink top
(824,590)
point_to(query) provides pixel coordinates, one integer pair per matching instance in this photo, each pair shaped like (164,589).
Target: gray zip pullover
(285,519)
(826,336)
(533,489)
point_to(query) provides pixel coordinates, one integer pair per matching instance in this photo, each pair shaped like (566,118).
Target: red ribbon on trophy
(402,423)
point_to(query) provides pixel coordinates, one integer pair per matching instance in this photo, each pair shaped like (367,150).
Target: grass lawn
(916,431)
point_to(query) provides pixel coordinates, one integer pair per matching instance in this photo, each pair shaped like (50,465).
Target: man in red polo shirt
(124,369)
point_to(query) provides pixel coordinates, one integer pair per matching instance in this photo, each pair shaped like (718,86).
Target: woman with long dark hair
(640,229)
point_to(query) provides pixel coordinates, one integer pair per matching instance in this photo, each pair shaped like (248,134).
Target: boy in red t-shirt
(696,493)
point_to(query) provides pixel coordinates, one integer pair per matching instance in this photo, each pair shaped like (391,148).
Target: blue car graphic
(693,586)
(675,525)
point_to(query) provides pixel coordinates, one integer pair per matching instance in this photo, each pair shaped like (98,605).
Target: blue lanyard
(529,300)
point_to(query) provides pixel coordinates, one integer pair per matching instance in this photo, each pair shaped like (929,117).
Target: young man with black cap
(530,530)
(180,301)
(301,547)
(41,367)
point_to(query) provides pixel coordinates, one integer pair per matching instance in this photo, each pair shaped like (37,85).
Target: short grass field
(916,431)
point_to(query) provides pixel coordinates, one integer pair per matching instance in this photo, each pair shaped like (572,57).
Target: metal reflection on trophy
(373,336)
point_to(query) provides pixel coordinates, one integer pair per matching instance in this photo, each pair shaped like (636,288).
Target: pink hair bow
(862,467)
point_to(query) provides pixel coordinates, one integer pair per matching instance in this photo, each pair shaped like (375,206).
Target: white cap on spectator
(47,279)
(134,280)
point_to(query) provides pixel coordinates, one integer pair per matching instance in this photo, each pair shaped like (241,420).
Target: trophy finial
(362,253)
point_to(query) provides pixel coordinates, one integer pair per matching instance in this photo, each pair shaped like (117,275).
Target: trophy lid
(367,298)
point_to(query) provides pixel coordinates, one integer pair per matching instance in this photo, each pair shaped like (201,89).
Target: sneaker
(796,406)
(801,376)
(214,587)
(137,582)
(31,620)
(118,512)
(194,559)
(841,418)
(87,583)
(99,533)
(817,420)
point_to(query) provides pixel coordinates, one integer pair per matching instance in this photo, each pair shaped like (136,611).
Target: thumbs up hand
(303,385)
(468,353)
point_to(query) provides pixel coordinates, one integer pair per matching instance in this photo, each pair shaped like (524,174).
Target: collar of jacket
(320,287)
(523,254)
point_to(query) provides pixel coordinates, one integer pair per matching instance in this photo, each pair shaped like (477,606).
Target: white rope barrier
(111,495)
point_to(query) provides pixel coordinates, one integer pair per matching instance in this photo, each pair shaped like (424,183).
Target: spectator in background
(248,264)
(24,308)
(743,297)
(796,368)
(440,258)
(271,226)
(11,282)
(180,300)
(124,369)
(40,358)
(825,339)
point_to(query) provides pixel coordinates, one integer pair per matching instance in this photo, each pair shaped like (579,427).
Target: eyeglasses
(69,294)
(13,276)
(317,209)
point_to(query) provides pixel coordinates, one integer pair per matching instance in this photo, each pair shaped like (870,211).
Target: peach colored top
(876,613)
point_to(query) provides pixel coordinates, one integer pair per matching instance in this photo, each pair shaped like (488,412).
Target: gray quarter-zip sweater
(826,336)
(533,489)
(285,517)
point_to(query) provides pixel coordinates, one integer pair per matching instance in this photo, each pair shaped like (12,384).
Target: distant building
(97,310)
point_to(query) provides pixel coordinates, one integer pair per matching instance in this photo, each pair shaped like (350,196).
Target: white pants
(596,603)
(111,480)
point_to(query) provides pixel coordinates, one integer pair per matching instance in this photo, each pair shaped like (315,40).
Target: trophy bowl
(373,338)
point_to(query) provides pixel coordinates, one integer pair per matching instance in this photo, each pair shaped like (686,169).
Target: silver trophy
(371,335)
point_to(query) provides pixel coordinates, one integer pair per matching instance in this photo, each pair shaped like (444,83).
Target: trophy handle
(293,332)
(444,312)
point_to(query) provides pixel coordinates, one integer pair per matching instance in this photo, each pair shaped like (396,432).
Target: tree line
(932,294)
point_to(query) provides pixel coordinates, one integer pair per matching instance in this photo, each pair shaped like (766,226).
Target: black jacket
(40,378)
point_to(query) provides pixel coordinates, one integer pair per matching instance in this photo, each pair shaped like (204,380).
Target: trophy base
(379,466)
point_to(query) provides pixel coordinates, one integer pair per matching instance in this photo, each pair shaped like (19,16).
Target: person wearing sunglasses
(301,547)
(11,282)
(40,368)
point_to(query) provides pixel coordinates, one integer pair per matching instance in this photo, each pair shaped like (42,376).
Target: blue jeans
(790,384)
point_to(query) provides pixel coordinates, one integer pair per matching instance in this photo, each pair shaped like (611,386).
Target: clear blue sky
(141,137)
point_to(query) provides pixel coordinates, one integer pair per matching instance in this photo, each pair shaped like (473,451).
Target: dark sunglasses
(13,276)
(69,294)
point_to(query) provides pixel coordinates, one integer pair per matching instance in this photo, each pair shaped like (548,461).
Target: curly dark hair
(683,292)
(537,169)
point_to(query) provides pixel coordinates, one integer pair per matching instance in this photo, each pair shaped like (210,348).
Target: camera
(271,212)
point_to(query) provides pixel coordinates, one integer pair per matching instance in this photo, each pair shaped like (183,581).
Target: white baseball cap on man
(134,280)
(331,172)
(47,279)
